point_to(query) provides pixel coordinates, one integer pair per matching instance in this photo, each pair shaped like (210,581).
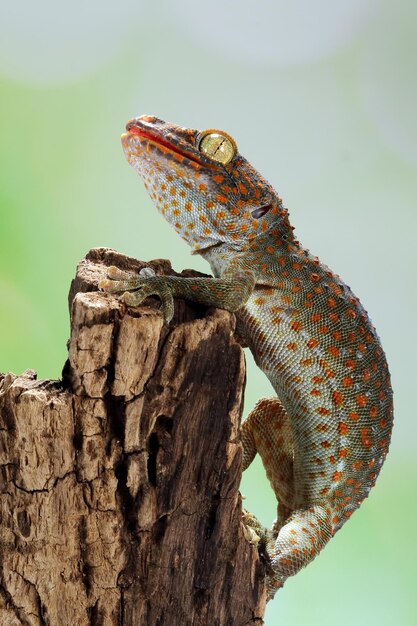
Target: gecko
(324,437)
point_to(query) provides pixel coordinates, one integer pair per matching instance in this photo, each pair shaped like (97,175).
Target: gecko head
(201,184)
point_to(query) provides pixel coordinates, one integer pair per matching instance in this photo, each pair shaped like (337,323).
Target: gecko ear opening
(261,211)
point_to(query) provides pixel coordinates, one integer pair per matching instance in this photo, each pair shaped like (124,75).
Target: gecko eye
(261,211)
(217,145)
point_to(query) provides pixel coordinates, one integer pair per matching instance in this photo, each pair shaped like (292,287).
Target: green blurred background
(321,96)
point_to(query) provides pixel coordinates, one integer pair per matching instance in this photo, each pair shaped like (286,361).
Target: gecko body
(324,438)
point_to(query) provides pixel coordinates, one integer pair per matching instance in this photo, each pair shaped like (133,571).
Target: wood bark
(119,483)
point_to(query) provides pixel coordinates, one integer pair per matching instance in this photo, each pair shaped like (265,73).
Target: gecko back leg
(267,431)
(297,535)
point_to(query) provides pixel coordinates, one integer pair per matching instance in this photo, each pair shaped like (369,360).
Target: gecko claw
(250,535)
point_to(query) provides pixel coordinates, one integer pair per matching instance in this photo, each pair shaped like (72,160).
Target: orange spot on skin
(316,317)
(218,178)
(365,439)
(361,400)
(337,398)
(354,416)
(312,343)
(333,350)
(337,476)
(332,303)
(314,277)
(336,289)
(317,380)
(347,381)
(292,346)
(343,428)
(296,325)
(221,198)
(373,412)
(321,410)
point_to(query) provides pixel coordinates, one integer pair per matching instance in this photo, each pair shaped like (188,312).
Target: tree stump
(119,483)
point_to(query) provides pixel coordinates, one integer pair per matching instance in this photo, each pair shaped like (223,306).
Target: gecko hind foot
(258,535)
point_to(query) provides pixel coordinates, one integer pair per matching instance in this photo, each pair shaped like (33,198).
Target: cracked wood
(119,484)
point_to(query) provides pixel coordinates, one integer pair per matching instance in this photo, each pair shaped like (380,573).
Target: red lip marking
(135,130)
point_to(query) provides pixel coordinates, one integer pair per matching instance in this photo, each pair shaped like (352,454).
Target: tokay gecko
(324,438)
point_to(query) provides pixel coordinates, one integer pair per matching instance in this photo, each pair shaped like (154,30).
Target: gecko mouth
(162,144)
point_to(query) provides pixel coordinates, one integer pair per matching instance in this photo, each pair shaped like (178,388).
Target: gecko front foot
(135,289)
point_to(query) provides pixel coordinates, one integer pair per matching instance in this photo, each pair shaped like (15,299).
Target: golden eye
(217,145)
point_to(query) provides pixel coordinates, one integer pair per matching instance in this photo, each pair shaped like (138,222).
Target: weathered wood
(119,484)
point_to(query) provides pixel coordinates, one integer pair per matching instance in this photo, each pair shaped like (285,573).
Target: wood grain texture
(119,483)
